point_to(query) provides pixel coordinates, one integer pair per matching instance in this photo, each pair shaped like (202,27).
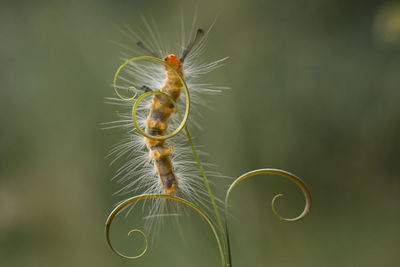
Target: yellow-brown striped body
(157,123)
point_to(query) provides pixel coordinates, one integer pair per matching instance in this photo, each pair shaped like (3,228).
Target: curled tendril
(185,87)
(144,250)
(282,173)
(134,199)
(127,89)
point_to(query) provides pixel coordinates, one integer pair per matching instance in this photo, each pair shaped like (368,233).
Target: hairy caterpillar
(158,169)
(160,111)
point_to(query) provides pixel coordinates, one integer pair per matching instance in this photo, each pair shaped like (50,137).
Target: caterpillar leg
(146,89)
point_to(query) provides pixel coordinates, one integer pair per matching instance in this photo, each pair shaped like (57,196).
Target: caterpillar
(162,166)
(157,121)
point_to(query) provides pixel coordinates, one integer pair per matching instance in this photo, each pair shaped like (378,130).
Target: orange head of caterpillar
(174,61)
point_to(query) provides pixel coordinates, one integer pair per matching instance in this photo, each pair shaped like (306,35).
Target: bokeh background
(315,91)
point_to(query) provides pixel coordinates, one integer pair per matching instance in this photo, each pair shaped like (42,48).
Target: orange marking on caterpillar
(157,123)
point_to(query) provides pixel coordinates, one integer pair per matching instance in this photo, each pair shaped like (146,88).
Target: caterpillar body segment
(157,123)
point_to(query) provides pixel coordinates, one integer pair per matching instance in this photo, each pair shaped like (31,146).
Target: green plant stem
(206,183)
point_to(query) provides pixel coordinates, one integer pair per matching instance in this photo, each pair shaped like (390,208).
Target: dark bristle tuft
(199,34)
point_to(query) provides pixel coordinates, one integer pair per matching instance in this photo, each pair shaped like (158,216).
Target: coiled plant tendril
(134,199)
(282,173)
(223,228)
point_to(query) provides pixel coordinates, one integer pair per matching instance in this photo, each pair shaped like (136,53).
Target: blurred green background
(315,91)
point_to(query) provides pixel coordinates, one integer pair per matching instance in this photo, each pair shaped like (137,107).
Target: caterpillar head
(174,61)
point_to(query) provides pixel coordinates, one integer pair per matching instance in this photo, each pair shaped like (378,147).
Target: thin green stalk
(206,183)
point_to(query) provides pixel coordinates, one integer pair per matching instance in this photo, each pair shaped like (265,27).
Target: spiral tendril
(284,174)
(127,89)
(134,199)
(144,250)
